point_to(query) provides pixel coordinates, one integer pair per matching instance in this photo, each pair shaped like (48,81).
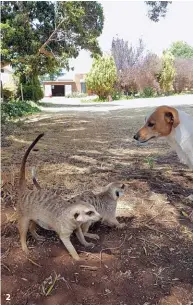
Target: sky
(128,20)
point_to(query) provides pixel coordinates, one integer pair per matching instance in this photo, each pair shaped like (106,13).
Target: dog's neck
(181,139)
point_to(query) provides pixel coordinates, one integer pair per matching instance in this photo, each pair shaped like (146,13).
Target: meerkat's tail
(22,181)
(34,179)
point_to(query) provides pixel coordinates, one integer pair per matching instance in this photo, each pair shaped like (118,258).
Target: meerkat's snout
(86,215)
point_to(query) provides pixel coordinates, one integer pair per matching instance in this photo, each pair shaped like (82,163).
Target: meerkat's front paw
(76,257)
(91,245)
(121,225)
(92,236)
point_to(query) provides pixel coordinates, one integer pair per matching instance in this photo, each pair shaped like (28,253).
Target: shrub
(76,94)
(14,109)
(148,92)
(116,95)
(184,75)
(8,91)
(32,93)
(168,72)
(141,75)
(31,88)
(102,76)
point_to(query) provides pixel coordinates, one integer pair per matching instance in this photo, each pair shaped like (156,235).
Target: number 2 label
(8,297)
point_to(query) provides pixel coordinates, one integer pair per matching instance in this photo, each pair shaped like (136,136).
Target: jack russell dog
(177,128)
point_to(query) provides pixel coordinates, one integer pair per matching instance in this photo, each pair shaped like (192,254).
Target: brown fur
(159,124)
(104,202)
(50,211)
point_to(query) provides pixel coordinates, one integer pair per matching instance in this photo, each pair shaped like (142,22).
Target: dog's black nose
(135,136)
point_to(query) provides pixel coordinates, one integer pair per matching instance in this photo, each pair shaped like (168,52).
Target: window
(83,88)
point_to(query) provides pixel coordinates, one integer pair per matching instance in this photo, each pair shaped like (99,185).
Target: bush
(148,92)
(31,88)
(32,93)
(102,76)
(76,94)
(184,75)
(116,95)
(8,91)
(14,109)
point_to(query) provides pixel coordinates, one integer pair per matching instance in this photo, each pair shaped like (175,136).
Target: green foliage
(27,26)
(76,95)
(157,9)
(180,49)
(167,74)
(116,95)
(32,93)
(150,162)
(31,87)
(148,92)
(14,109)
(102,76)
(8,92)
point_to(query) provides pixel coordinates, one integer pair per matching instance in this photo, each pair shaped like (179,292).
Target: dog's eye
(89,213)
(150,124)
(76,215)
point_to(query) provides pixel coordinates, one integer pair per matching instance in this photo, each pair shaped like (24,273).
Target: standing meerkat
(104,202)
(51,212)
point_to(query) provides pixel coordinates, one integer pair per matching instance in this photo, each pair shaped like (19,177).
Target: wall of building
(76,84)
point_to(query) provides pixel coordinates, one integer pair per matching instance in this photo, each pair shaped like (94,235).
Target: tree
(126,56)
(157,9)
(180,49)
(168,72)
(102,76)
(184,74)
(40,36)
(137,69)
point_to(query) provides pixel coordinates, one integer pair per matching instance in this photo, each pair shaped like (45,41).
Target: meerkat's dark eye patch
(89,213)
(150,124)
(117,193)
(76,215)
(123,186)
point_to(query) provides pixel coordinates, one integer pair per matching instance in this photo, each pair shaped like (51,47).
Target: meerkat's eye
(76,215)
(117,193)
(89,213)
(150,124)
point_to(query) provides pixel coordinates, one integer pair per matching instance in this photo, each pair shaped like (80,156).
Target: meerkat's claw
(89,245)
(121,225)
(92,236)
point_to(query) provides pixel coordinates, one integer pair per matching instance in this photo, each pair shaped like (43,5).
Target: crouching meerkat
(104,202)
(51,212)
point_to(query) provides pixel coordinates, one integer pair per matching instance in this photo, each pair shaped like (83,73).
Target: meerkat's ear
(172,116)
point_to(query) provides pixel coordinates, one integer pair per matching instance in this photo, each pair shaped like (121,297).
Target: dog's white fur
(181,139)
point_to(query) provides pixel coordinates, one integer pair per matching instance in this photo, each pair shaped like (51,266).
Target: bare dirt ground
(148,262)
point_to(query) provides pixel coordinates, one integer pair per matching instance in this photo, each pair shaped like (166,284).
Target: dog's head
(158,124)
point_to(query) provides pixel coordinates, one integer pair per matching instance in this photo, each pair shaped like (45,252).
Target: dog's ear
(172,116)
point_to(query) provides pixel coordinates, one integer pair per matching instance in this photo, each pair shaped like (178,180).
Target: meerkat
(104,202)
(51,212)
